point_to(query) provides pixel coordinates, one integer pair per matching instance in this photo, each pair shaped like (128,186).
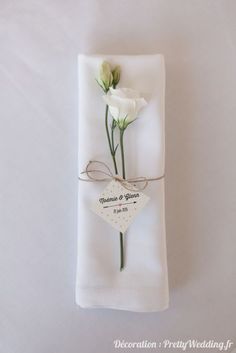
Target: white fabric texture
(143,284)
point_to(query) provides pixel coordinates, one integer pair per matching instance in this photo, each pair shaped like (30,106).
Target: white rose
(124,105)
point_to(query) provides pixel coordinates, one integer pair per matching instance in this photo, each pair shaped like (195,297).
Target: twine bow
(103,173)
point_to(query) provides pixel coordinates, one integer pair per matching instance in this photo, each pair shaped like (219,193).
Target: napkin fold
(143,284)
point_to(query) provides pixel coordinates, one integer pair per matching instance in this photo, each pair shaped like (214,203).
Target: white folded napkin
(143,284)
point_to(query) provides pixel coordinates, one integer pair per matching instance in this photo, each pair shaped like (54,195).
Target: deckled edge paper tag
(119,206)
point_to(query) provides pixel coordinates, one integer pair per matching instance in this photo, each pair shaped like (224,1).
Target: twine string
(97,171)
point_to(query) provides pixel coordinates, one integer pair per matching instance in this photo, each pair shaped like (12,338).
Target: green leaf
(114,124)
(100,85)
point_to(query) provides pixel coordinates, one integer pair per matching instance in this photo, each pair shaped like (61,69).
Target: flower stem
(109,141)
(121,252)
(112,150)
(122,151)
(123,175)
(113,126)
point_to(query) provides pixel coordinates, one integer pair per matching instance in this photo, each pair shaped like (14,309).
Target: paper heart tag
(119,206)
